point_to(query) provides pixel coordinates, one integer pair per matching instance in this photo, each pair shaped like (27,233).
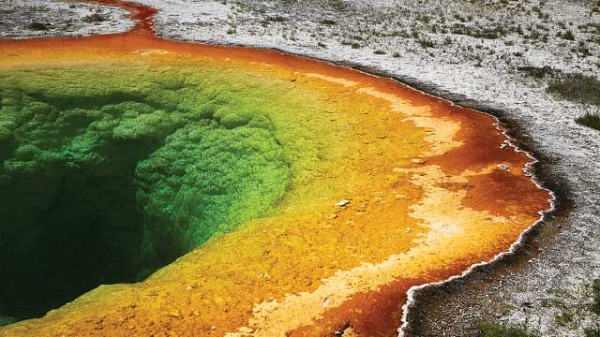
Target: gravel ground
(474,53)
(43,18)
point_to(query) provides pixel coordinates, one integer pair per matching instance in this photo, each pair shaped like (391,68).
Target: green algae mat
(132,170)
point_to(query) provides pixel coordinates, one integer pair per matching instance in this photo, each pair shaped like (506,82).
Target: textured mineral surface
(251,193)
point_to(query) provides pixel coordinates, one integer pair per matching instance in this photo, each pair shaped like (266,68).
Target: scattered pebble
(342,203)
(504,167)
(246,329)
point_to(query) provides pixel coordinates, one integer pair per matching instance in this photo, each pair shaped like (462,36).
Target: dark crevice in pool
(108,188)
(69,227)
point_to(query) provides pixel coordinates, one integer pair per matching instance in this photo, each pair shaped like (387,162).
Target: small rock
(246,329)
(342,203)
(504,167)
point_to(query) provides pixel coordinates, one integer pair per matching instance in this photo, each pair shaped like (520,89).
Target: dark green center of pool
(107,176)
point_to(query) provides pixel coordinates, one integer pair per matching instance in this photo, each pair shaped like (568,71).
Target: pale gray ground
(468,51)
(40,18)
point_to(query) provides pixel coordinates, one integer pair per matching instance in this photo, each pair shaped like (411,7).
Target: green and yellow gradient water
(132,170)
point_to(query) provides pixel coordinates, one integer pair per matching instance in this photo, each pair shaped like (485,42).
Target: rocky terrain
(43,18)
(534,64)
